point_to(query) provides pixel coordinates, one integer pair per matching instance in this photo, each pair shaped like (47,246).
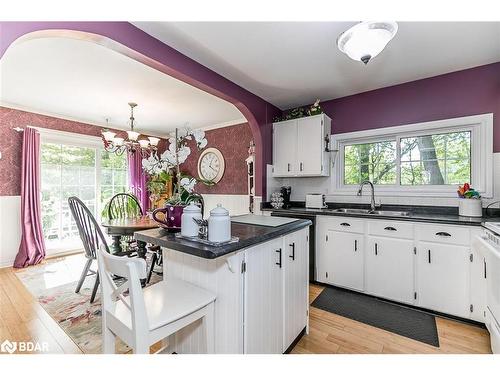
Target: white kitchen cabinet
(443,278)
(344,259)
(389,268)
(264,298)
(284,148)
(296,285)
(299,147)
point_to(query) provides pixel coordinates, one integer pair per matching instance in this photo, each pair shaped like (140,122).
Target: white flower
(183,154)
(203,143)
(188,184)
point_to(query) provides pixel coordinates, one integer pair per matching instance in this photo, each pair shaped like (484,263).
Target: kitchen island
(261,283)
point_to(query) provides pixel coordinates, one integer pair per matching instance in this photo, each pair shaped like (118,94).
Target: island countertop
(248,234)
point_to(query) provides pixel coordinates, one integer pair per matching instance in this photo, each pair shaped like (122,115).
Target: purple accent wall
(127,39)
(462,93)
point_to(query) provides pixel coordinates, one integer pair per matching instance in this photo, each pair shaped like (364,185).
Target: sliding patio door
(82,169)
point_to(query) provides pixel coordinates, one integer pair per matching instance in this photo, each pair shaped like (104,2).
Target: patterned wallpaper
(11,142)
(232,142)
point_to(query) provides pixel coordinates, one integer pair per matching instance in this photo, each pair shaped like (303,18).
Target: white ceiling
(83,81)
(293,63)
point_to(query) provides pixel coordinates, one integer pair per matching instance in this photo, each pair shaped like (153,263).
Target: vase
(470,207)
(171,217)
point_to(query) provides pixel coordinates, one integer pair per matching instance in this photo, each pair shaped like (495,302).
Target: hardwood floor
(23,319)
(331,333)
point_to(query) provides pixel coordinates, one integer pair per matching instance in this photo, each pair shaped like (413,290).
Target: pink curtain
(32,247)
(137,179)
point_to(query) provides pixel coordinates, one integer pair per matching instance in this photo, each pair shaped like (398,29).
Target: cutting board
(266,221)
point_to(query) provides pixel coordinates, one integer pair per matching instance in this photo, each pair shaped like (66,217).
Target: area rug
(53,284)
(404,321)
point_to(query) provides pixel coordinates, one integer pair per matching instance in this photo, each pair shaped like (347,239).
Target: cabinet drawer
(459,235)
(390,228)
(344,224)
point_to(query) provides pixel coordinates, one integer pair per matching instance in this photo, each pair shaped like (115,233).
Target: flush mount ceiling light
(364,41)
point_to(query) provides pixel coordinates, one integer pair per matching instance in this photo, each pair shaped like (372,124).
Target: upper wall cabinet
(299,147)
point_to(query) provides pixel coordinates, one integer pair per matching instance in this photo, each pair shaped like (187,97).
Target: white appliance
(315,201)
(488,244)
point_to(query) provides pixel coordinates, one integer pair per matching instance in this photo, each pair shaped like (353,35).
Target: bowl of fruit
(469,201)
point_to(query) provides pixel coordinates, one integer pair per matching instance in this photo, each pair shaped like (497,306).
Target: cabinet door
(285,148)
(344,259)
(296,283)
(310,146)
(443,278)
(389,268)
(264,298)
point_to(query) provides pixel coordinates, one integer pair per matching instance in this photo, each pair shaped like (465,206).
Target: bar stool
(146,316)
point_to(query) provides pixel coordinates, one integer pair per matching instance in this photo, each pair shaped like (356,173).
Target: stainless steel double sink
(358,211)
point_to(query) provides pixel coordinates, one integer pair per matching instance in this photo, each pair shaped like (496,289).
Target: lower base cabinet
(432,266)
(344,261)
(263,314)
(443,278)
(276,293)
(390,268)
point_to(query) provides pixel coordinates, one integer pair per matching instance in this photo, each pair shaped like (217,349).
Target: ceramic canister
(219,225)
(189,228)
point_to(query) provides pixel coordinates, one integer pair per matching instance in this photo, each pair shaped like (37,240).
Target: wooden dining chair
(124,206)
(92,239)
(146,316)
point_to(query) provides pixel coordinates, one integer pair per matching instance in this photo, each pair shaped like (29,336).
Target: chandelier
(132,144)
(365,40)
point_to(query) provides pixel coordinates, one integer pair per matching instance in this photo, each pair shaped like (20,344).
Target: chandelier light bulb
(108,135)
(133,135)
(118,141)
(154,141)
(144,143)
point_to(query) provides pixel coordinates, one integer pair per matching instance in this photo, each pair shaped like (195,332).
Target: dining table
(119,227)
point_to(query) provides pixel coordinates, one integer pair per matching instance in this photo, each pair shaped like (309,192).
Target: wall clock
(211,165)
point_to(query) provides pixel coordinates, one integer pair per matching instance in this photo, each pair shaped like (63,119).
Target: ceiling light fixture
(365,40)
(118,145)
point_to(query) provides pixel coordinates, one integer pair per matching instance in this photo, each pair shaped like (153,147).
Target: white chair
(148,315)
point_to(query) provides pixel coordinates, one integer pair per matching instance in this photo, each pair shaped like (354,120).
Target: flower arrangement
(170,160)
(466,191)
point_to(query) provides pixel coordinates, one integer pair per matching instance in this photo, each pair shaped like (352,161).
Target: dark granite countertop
(248,234)
(427,214)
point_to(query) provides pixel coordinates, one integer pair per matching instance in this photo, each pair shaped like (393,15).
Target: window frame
(481,130)
(78,140)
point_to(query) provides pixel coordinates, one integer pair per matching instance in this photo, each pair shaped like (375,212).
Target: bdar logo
(8,347)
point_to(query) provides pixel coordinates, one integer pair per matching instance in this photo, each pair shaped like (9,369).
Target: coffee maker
(286,191)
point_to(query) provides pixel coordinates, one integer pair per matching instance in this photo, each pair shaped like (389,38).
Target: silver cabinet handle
(429,255)
(376,249)
(288,167)
(355,245)
(390,228)
(345,224)
(301,166)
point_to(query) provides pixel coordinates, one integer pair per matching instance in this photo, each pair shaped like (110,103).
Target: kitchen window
(419,159)
(74,165)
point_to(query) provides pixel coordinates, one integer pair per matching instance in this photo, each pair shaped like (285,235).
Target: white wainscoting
(235,204)
(10,229)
